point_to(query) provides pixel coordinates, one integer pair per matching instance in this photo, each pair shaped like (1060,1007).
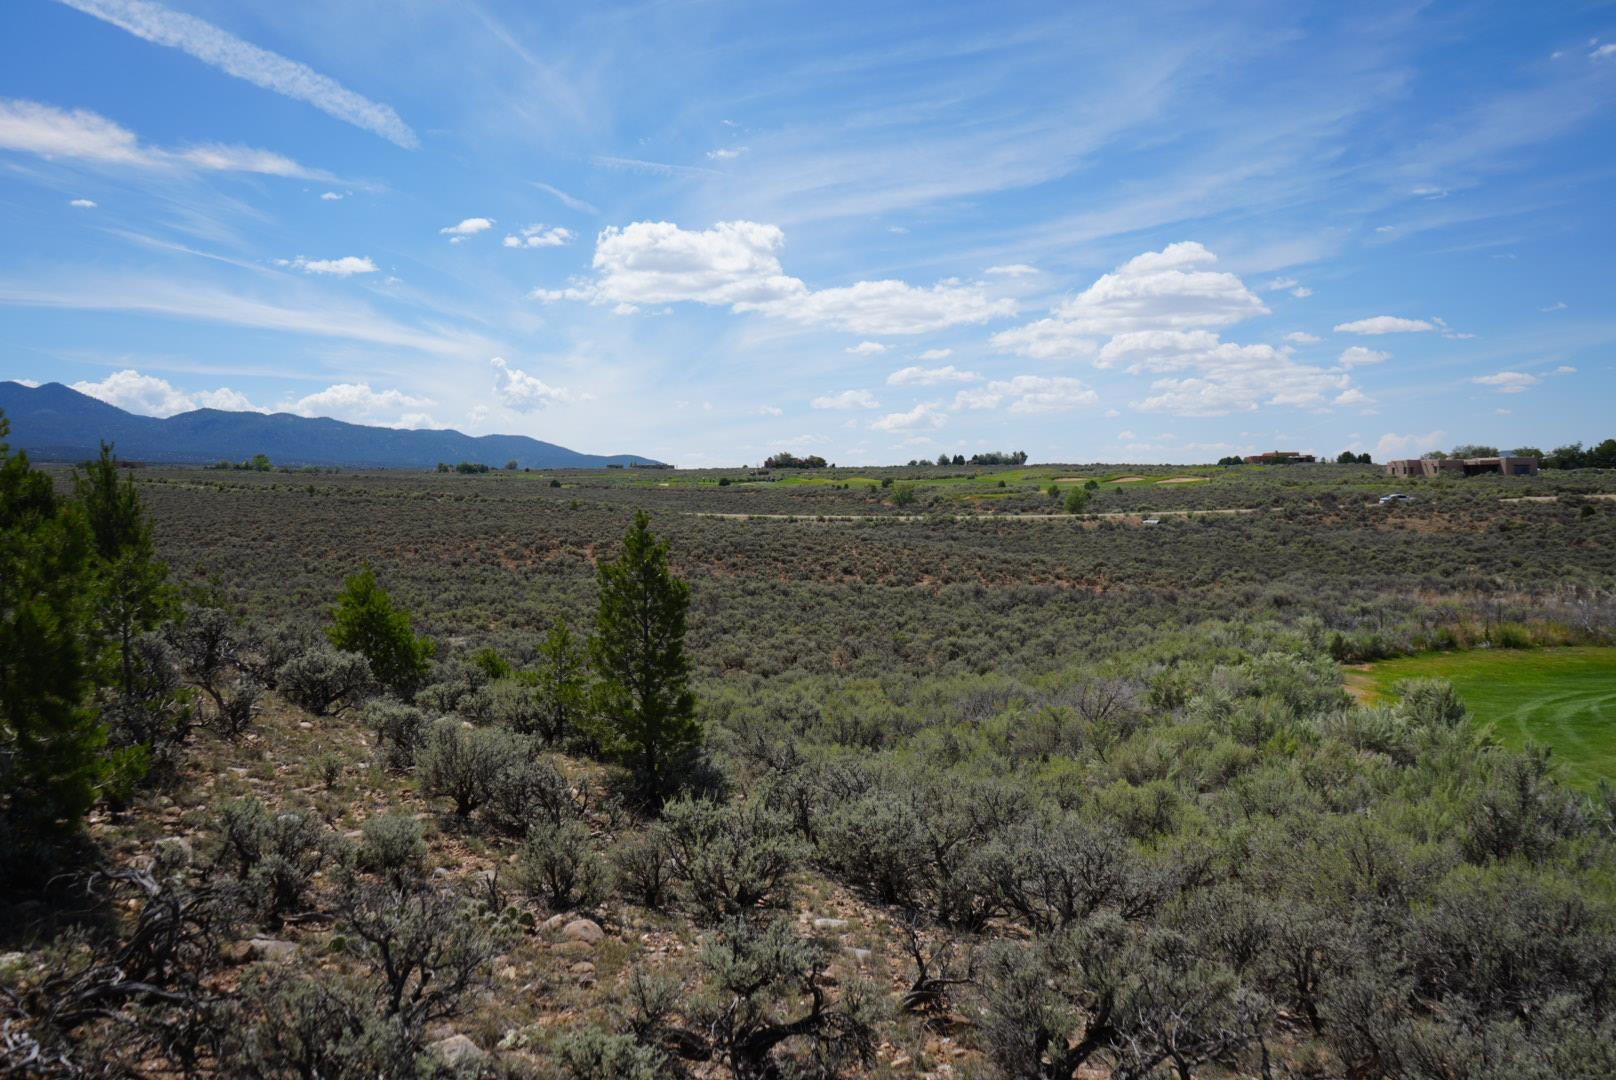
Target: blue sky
(708,231)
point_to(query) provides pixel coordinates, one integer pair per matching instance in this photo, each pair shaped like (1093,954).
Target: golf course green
(1562,698)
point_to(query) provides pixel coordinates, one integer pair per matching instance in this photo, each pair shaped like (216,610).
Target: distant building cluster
(1281,457)
(1431,468)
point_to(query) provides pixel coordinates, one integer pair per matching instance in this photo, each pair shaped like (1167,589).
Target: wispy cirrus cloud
(244,60)
(81,135)
(571,202)
(187,300)
(654,168)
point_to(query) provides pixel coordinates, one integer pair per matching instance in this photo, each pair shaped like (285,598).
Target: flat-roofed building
(1431,468)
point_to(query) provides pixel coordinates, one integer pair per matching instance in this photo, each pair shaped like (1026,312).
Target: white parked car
(1395,497)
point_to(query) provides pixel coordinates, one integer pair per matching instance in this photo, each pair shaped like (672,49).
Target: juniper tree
(132,594)
(51,762)
(562,683)
(368,623)
(638,653)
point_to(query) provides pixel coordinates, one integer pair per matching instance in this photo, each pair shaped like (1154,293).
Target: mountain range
(57,423)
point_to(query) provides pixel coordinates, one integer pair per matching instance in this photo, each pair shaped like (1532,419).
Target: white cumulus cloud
(927,414)
(1302,337)
(1169,289)
(736,264)
(538,236)
(866,348)
(346,266)
(920,376)
(1358,356)
(1508,382)
(1393,447)
(467,227)
(1162,313)
(847,399)
(358,403)
(888,307)
(1029,394)
(1290,285)
(518,390)
(82,204)
(225,400)
(148,395)
(1385,324)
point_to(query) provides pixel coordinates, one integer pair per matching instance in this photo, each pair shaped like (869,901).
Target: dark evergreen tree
(51,760)
(369,624)
(133,594)
(638,652)
(562,683)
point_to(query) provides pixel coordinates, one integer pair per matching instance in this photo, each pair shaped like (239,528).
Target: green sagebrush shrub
(392,846)
(589,1053)
(401,732)
(324,680)
(731,858)
(275,856)
(465,764)
(559,867)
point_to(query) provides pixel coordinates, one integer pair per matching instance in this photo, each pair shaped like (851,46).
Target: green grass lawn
(1564,699)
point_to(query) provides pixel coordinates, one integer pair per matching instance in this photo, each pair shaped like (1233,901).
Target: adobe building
(1432,468)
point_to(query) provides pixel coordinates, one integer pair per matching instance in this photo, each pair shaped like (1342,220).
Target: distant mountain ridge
(57,423)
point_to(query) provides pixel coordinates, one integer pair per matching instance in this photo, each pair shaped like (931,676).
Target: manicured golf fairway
(1564,699)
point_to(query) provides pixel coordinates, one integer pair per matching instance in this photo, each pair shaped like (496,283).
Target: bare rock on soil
(587,931)
(263,948)
(457,1050)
